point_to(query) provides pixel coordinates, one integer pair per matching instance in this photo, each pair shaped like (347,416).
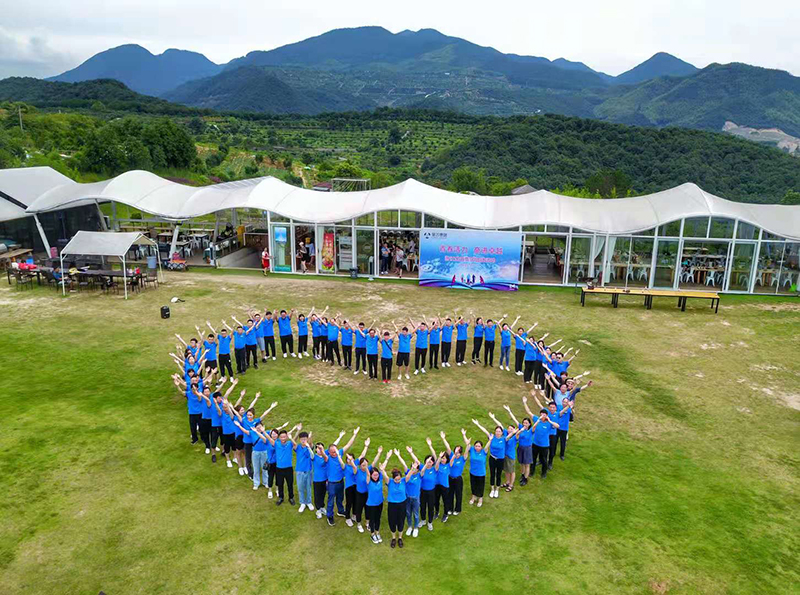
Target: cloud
(30,55)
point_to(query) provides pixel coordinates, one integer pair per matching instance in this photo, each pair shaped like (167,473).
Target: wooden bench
(649,294)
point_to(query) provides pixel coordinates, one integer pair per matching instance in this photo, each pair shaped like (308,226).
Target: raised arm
(525,404)
(494,419)
(574,355)
(413,456)
(181,340)
(511,414)
(446,444)
(377,456)
(336,442)
(352,439)
(400,458)
(364,450)
(482,429)
(270,408)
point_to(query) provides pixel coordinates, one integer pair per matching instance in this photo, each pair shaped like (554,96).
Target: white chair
(629,274)
(371,263)
(787,280)
(643,274)
(688,277)
(711,278)
(760,278)
(744,280)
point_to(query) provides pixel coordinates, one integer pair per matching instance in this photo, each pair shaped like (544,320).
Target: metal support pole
(174,240)
(42,234)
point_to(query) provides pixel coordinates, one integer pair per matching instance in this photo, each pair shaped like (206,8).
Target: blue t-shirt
(403,343)
(211,350)
(505,338)
(284,326)
(333,332)
(361,479)
(315,328)
(259,445)
(205,408)
(375,492)
(477,462)
(447,334)
(227,423)
(192,403)
(271,457)
(520,342)
(541,434)
(250,336)
(422,338)
(303,458)
(428,478)
(457,466)
(436,333)
(443,475)
(531,353)
(347,337)
(413,486)
(259,328)
(490,332)
(497,447)
(386,348)
(372,345)
(335,471)
(268,327)
(361,339)
(216,418)
(563,419)
(349,476)
(461,331)
(283,454)
(239,340)
(224,345)
(248,425)
(478,331)
(511,448)
(320,468)
(302,327)
(397,490)
(525,436)
(553,418)
(236,429)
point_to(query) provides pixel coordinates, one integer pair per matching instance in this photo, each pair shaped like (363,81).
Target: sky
(44,38)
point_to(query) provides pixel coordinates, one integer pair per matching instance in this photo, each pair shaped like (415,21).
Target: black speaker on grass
(164,311)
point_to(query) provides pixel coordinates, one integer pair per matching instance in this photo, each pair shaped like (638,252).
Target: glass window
(387,218)
(281,249)
(304,248)
(543,258)
(275,218)
(557,228)
(671,229)
(347,222)
(454,226)
(721,228)
(768,269)
(790,269)
(666,261)
(741,267)
(576,230)
(579,259)
(646,232)
(326,238)
(368,219)
(344,249)
(695,227)
(508,229)
(746,231)
(617,255)
(410,219)
(703,265)
(533,228)
(765,235)
(640,263)
(431,221)
(365,251)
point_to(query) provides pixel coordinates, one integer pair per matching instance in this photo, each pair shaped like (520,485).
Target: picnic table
(649,294)
(37,271)
(13,255)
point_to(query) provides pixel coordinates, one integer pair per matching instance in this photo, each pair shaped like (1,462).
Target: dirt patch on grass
(659,587)
(782,307)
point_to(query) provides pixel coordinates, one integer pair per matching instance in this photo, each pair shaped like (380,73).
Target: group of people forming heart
(357,487)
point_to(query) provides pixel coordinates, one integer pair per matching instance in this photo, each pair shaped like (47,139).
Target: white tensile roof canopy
(105,243)
(169,200)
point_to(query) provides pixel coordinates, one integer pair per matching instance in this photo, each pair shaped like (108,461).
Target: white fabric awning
(19,187)
(104,243)
(149,193)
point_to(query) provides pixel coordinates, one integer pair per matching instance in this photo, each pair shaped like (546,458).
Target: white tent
(105,243)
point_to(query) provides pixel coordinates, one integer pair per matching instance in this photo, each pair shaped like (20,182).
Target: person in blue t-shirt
(442,494)
(335,475)
(361,348)
(302,335)
(397,497)
(520,339)
(347,332)
(268,330)
(496,445)
(285,332)
(542,429)
(542,359)
(505,344)
(304,456)
(403,351)
(360,470)
(434,339)
(372,353)
(251,343)
(462,326)
(224,351)
(421,345)
(319,463)
(375,502)
(315,333)
(333,340)
(524,441)
(210,353)
(456,480)
(489,336)
(350,488)
(531,355)
(386,357)
(447,341)
(476,454)
(284,446)
(413,482)
(428,473)
(323,338)
(259,334)
(564,413)
(477,340)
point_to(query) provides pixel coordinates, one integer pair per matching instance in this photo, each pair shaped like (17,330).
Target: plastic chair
(688,277)
(711,279)
(787,282)
(760,278)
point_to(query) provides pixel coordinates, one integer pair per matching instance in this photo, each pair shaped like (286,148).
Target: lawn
(681,474)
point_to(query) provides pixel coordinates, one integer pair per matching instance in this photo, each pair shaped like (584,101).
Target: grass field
(681,475)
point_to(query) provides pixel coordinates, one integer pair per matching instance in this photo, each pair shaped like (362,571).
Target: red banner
(328,264)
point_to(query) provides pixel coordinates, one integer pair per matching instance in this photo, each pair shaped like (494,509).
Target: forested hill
(558,151)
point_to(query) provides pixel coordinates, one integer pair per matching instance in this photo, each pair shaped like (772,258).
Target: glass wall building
(682,238)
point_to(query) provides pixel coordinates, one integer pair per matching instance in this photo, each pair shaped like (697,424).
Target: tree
(394,160)
(791,198)
(395,136)
(609,184)
(465,179)
(345,169)
(196,125)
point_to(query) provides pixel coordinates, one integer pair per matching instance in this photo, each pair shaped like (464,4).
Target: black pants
(538,373)
(302,343)
(216,432)
(320,489)
(446,352)
(495,471)
(287,343)
(315,344)
(477,342)
(434,356)
(347,353)
(562,438)
(519,358)
(241,360)
(373,365)
(461,350)
(248,459)
(477,483)
(194,424)
(361,502)
(529,365)
(269,346)
(286,475)
(386,368)
(205,431)
(361,358)
(444,496)
(333,347)
(427,503)
(272,472)
(456,493)
(225,363)
(488,353)
(540,453)
(397,516)
(374,517)
(250,351)
(349,501)
(419,355)
(552,450)
(323,348)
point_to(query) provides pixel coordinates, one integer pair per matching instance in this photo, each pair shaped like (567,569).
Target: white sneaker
(416,532)
(255,487)
(458,364)
(285,355)
(356,373)
(230,464)
(408,531)
(319,514)
(269,494)
(217,449)
(380,539)
(294,355)
(360,528)
(208,450)
(423,371)
(480,503)
(415,373)
(430,526)
(455,513)
(274,358)
(407,376)
(400,377)
(302,508)
(241,471)
(311,507)
(364,372)
(349,522)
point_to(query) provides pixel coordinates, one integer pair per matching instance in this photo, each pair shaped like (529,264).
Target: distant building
(323,187)
(525,189)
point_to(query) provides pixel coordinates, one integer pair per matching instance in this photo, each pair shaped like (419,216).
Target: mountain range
(367,67)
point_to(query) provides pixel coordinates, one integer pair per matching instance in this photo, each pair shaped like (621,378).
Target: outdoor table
(13,255)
